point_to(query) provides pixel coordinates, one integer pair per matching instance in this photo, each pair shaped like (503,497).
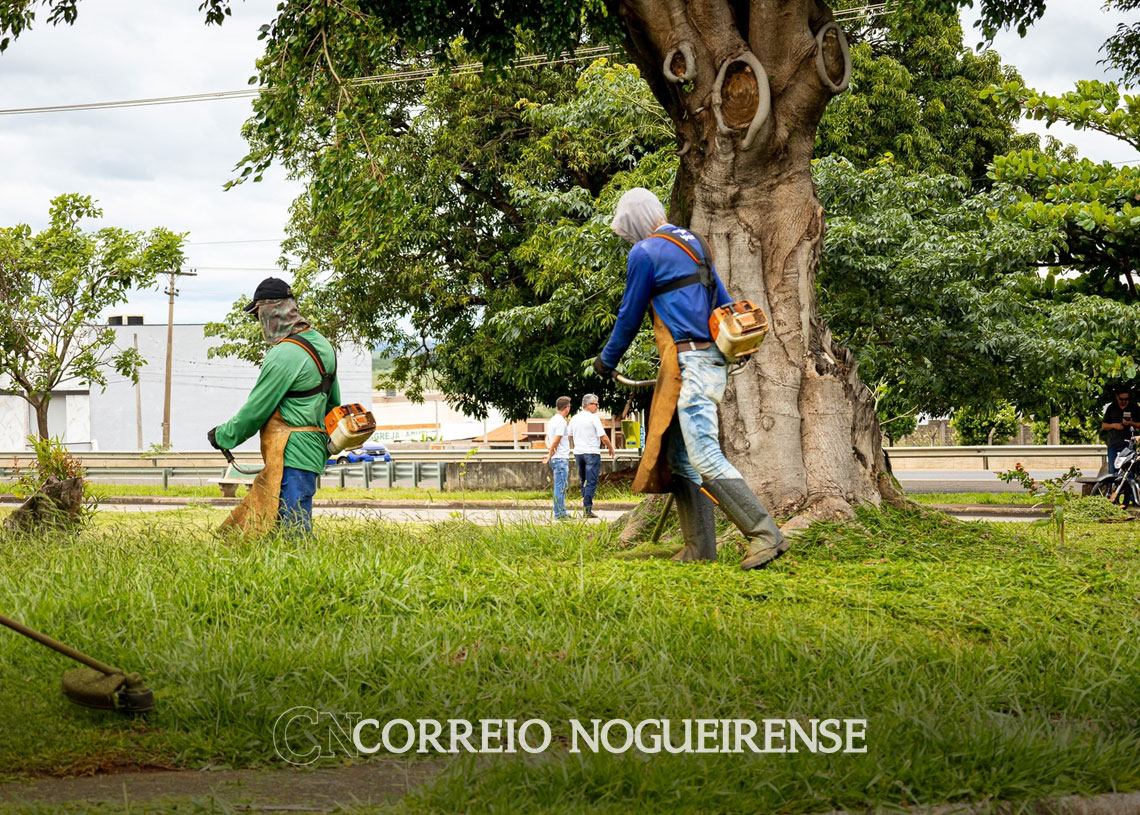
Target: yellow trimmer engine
(738,329)
(348,426)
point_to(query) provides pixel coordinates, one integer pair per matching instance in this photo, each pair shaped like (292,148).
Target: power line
(240,268)
(246,240)
(393,78)
(390,78)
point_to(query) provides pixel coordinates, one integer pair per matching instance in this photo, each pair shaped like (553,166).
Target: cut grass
(988,662)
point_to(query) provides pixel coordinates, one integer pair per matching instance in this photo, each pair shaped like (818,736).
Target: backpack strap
(703,275)
(327,379)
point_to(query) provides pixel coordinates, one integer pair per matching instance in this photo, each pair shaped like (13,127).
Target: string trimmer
(98,686)
(233,463)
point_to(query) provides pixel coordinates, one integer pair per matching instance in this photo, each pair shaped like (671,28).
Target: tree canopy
(464,227)
(938,292)
(55,284)
(1090,209)
(915,97)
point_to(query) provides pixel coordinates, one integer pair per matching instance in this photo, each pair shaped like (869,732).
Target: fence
(1087,457)
(503,468)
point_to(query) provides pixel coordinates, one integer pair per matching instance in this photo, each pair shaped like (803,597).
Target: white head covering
(638,214)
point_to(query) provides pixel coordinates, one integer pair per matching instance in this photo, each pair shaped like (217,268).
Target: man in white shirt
(558,454)
(588,434)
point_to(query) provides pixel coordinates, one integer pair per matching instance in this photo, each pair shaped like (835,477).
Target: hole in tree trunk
(678,65)
(741,95)
(741,99)
(833,56)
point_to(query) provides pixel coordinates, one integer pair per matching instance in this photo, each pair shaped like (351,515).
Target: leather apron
(256,515)
(653,474)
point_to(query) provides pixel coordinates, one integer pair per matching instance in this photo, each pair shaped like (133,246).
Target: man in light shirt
(558,454)
(588,434)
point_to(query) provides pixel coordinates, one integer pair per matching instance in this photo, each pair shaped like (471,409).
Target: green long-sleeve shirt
(288,367)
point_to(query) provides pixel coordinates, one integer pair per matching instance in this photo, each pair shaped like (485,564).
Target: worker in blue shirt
(671,269)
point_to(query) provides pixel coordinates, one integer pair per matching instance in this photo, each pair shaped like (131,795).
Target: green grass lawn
(988,661)
(974,498)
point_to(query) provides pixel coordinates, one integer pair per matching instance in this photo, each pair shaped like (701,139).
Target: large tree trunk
(798,423)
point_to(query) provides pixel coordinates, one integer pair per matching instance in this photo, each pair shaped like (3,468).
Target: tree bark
(55,505)
(41,407)
(798,423)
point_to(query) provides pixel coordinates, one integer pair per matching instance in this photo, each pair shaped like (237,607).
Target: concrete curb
(1003,511)
(992,510)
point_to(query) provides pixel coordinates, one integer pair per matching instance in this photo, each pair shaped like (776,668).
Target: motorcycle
(1122,487)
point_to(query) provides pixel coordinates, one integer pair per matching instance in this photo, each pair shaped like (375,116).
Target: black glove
(213,441)
(603,369)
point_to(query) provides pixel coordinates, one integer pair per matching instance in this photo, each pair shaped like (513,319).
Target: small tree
(55,283)
(973,426)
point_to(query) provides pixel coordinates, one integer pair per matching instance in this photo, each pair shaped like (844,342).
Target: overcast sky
(165,165)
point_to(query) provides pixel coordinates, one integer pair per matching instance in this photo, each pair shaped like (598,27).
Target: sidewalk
(374,783)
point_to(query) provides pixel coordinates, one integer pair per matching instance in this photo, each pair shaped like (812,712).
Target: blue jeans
(295,511)
(589,464)
(561,469)
(694,442)
(1113,452)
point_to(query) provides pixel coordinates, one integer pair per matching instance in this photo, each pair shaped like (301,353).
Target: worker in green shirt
(296,387)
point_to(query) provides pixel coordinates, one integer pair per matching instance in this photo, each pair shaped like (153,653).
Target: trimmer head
(107,691)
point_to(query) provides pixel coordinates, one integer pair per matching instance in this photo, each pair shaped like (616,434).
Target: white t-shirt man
(554,428)
(587,430)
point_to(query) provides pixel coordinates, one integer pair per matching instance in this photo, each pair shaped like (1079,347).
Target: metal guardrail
(368,473)
(981,456)
(211,458)
(430,465)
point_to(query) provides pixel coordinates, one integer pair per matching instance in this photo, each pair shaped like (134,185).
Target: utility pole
(138,398)
(173,292)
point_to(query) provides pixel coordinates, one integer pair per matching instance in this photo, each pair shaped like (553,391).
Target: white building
(204,393)
(398,418)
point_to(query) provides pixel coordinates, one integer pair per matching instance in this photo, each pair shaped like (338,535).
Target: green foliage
(17,16)
(1122,51)
(1091,207)
(474,243)
(1074,430)
(938,294)
(994,426)
(915,98)
(53,461)
(1051,492)
(898,416)
(55,285)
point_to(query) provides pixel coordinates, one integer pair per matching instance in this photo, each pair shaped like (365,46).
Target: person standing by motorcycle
(1120,419)
(671,270)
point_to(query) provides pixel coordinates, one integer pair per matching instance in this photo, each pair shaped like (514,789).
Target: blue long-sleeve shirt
(654,262)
